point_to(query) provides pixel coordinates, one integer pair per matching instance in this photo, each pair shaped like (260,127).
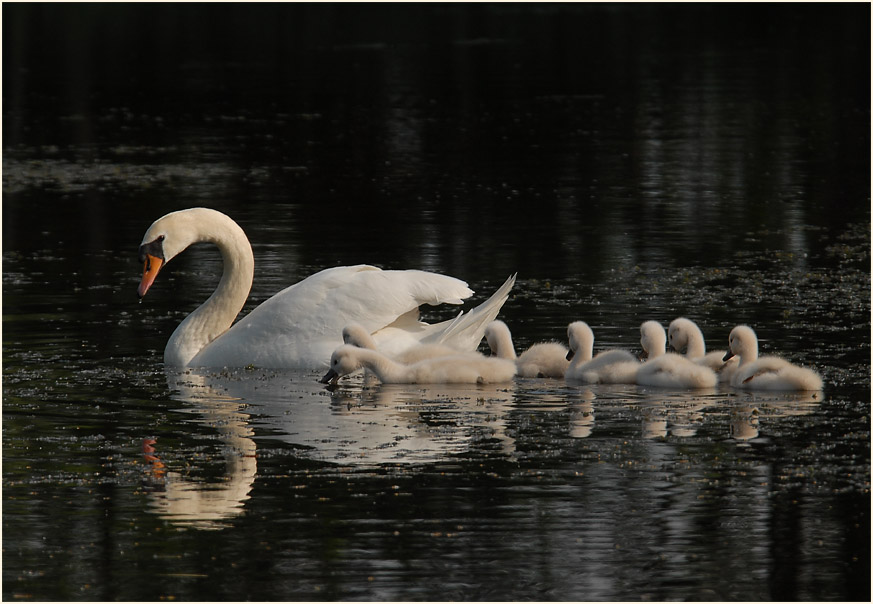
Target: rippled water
(630,163)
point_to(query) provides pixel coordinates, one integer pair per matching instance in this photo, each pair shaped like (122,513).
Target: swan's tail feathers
(465,331)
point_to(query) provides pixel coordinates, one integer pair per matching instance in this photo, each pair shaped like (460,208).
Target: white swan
(667,369)
(300,326)
(608,367)
(769,372)
(686,338)
(356,335)
(544,359)
(462,368)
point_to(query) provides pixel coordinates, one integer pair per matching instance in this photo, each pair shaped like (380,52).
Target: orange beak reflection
(150,270)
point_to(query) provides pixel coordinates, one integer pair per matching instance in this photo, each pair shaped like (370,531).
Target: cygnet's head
(343,361)
(653,339)
(743,343)
(580,338)
(356,335)
(499,339)
(680,333)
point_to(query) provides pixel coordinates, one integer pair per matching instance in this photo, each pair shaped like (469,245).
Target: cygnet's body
(608,367)
(667,369)
(544,359)
(768,372)
(461,368)
(684,335)
(357,335)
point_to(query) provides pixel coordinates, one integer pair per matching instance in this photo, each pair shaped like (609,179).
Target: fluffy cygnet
(544,359)
(768,372)
(686,338)
(461,368)
(667,369)
(608,367)
(356,335)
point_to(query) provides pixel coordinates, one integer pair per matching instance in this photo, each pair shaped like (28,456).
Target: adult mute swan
(667,369)
(462,368)
(300,326)
(765,373)
(608,367)
(686,338)
(544,359)
(355,335)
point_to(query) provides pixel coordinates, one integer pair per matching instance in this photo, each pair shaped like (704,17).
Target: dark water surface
(631,162)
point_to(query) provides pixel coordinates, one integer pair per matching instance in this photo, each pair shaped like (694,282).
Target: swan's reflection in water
(358,423)
(201,503)
(365,424)
(751,408)
(678,416)
(582,414)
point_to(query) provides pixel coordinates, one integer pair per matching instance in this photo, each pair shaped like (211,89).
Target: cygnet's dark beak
(570,354)
(330,376)
(727,356)
(643,355)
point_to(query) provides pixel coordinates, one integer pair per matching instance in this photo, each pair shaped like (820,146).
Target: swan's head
(171,234)
(653,339)
(357,335)
(580,338)
(743,343)
(680,334)
(343,361)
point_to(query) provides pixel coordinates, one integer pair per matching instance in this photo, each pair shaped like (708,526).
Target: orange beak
(150,270)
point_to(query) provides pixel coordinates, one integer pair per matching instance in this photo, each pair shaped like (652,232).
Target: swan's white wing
(301,325)
(465,331)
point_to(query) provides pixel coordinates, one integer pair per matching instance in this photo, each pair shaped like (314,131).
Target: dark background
(629,161)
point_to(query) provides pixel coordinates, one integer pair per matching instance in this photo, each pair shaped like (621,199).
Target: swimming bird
(356,335)
(668,369)
(300,326)
(686,338)
(767,372)
(543,359)
(462,368)
(608,367)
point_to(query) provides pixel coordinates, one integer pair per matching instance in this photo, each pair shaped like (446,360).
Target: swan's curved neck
(216,315)
(655,345)
(749,353)
(583,353)
(503,347)
(696,345)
